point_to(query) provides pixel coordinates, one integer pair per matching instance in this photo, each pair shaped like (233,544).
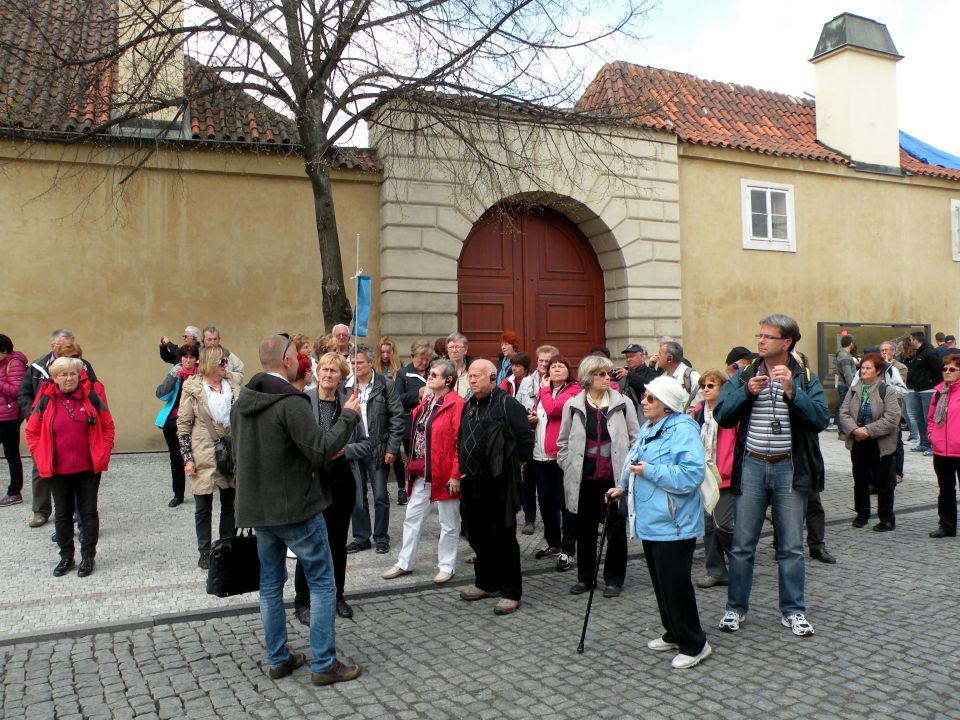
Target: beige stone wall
(200,238)
(626,204)
(870,248)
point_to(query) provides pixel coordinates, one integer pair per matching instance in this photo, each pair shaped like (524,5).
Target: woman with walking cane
(662,478)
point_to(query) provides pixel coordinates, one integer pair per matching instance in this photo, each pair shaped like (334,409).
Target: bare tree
(498,76)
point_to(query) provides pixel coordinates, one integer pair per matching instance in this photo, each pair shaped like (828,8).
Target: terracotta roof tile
(37,93)
(718,114)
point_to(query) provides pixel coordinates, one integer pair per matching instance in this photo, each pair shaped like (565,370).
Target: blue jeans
(374,474)
(842,391)
(762,483)
(921,406)
(909,412)
(308,540)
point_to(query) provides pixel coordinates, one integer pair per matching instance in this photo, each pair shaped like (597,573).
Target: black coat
(926,369)
(407,385)
(34,378)
(384,418)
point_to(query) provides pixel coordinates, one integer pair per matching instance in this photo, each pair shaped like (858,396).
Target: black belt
(768,458)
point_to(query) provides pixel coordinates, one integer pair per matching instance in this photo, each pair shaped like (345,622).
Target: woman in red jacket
(718,444)
(433,471)
(559,526)
(943,431)
(70,434)
(13,366)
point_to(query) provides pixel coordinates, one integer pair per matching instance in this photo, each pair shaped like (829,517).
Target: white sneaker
(730,622)
(395,572)
(682,662)
(441,577)
(658,644)
(798,624)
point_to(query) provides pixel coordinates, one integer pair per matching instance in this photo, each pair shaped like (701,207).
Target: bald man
(495,438)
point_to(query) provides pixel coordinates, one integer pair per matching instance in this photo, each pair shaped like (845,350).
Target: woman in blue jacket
(662,477)
(170,391)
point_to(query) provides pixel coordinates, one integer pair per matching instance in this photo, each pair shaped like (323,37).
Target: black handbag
(222,449)
(234,565)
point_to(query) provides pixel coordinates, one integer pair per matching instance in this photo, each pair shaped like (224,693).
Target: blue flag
(361,313)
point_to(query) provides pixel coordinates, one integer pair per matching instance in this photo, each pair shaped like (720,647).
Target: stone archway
(532,271)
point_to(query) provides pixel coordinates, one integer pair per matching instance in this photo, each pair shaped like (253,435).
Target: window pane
(758,201)
(779,223)
(778,202)
(759,226)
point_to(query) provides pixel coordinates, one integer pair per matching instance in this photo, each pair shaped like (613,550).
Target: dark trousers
(899,454)
(871,469)
(203,517)
(528,494)
(559,526)
(399,467)
(492,538)
(76,493)
(179,478)
(718,535)
(337,518)
(947,470)
(669,564)
(42,497)
(10,439)
(590,511)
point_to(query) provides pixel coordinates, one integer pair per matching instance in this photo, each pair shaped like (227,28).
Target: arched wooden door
(533,272)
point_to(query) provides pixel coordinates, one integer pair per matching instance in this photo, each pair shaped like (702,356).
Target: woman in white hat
(662,474)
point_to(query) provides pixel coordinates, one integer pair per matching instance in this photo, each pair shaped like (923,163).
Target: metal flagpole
(356,328)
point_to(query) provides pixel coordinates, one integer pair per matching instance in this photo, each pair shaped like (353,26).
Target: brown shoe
(338,672)
(38,521)
(709,581)
(476,593)
(295,660)
(505,606)
(527,529)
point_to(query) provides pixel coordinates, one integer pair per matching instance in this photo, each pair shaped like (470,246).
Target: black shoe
(64,566)
(823,556)
(302,614)
(176,501)
(204,562)
(883,526)
(356,547)
(86,567)
(612,591)
(938,533)
(383,548)
(344,610)
(859,522)
(401,497)
(580,588)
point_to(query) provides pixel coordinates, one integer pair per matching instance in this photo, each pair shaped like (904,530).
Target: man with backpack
(670,361)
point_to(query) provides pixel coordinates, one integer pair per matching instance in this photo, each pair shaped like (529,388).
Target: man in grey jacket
(277,444)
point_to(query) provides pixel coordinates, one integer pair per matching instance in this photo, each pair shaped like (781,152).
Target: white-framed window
(955,229)
(768,220)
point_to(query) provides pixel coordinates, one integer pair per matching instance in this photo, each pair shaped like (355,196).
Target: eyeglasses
(223,362)
(764,336)
(709,386)
(951,368)
(602,373)
(648,398)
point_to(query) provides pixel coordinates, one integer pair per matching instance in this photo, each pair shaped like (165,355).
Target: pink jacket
(726,442)
(945,439)
(13,367)
(553,407)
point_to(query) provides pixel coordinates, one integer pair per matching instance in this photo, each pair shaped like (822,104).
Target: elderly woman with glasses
(943,430)
(662,478)
(870,420)
(596,432)
(203,418)
(434,473)
(70,435)
(718,445)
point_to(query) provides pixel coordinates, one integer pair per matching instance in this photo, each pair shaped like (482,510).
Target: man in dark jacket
(277,443)
(383,420)
(779,409)
(495,437)
(926,372)
(634,377)
(29,388)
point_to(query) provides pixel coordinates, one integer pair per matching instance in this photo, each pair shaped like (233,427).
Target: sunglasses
(602,373)
(647,397)
(709,386)
(223,362)
(951,368)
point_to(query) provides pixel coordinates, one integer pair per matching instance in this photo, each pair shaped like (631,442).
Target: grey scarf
(940,414)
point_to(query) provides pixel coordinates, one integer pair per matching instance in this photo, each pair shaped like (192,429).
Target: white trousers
(418,506)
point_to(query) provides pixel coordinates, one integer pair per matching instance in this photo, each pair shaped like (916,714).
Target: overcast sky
(768,44)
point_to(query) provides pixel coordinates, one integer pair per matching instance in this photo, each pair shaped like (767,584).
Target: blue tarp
(928,153)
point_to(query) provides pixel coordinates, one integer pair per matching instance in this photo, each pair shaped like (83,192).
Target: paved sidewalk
(884,615)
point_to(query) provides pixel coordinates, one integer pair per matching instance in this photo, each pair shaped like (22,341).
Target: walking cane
(596,574)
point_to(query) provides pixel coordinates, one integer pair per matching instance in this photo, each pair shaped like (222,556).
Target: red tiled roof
(718,114)
(40,92)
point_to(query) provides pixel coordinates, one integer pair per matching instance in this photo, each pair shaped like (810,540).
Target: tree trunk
(335,303)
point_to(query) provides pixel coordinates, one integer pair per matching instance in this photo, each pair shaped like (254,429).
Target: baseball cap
(634,348)
(738,353)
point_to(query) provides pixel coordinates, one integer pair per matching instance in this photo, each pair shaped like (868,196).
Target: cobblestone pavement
(884,615)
